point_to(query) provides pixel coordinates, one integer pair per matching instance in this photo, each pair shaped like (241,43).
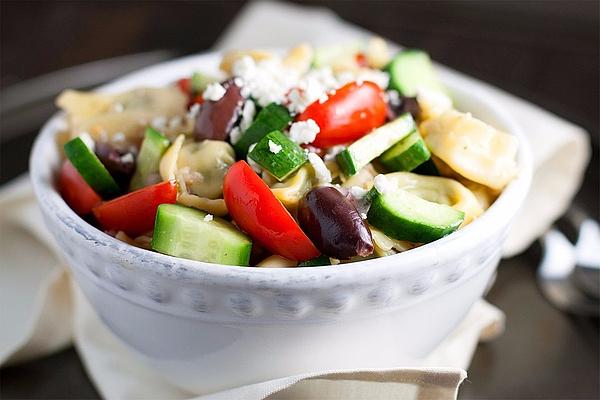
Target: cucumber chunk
(185,232)
(407,154)
(91,168)
(152,149)
(372,145)
(273,117)
(278,154)
(412,69)
(404,216)
(427,168)
(316,262)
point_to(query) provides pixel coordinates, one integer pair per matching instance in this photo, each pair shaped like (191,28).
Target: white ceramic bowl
(208,327)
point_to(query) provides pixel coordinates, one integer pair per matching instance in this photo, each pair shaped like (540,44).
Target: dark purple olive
(120,163)
(398,105)
(215,119)
(333,223)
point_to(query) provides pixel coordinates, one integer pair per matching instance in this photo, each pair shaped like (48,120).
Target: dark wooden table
(546,52)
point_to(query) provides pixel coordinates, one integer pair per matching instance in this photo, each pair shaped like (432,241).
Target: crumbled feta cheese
(274,147)
(208,217)
(118,107)
(304,132)
(127,158)
(358,193)
(382,184)
(235,135)
(248,113)
(333,152)
(214,92)
(87,140)
(118,137)
(363,215)
(380,78)
(311,87)
(193,111)
(159,123)
(321,172)
(362,202)
(323,98)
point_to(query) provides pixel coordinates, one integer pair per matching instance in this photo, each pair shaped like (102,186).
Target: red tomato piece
(185,85)
(256,210)
(75,190)
(353,111)
(134,213)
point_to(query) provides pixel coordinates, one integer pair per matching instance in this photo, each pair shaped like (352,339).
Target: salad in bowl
(315,157)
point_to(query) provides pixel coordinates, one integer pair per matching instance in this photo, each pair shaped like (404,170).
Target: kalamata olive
(333,223)
(120,163)
(215,119)
(398,105)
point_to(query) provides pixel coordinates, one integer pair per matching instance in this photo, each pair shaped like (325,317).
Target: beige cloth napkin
(41,309)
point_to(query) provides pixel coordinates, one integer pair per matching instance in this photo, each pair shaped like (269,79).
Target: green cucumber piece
(278,154)
(412,69)
(200,81)
(152,149)
(184,232)
(91,168)
(316,262)
(372,145)
(407,154)
(273,117)
(404,216)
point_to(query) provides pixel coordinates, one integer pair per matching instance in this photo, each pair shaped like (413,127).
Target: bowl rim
(498,214)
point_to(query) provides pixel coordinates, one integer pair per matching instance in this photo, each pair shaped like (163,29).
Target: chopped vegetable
(371,146)
(258,212)
(188,233)
(148,161)
(216,119)
(348,114)
(316,262)
(407,154)
(134,212)
(411,70)
(75,190)
(273,117)
(91,168)
(278,154)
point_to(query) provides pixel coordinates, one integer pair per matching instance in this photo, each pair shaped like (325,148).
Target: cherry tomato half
(75,190)
(256,210)
(134,213)
(353,111)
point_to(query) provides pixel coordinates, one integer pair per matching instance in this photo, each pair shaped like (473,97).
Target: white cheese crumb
(363,215)
(214,92)
(208,217)
(382,184)
(247,115)
(321,172)
(87,140)
(304,132)
(274,147)
(333,152)
(118,137)
(323,98)
(235,135)
(159,123)
(118,107)
(358,193)
(193,112)
(127,158)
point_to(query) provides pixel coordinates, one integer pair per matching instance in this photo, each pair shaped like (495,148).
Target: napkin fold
(42,310)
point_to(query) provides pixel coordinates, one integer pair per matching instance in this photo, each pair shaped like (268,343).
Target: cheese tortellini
(290,191)
(472,148)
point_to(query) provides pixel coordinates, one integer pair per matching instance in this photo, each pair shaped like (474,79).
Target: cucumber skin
(273,117)
(396,82)
(316,262)
(401,228)
(155,143)
(346,163)
(409,159)
(281,165)
(167,214)
(427,168)
(91,168)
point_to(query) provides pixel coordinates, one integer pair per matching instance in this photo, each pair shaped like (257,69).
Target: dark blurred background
(543,51)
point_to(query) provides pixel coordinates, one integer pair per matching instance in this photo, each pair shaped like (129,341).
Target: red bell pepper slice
(353,111)
(134,213)
(76,191)
(256,210)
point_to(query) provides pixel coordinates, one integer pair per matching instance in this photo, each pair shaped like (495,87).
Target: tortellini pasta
(276,261)
(212,206)
(473,149)
(290,191)
(385,245)
(103,116)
